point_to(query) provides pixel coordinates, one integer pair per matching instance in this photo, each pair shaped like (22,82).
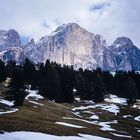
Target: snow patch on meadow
(41,136)
(6,102)
(33,94)
(69,125)
(9,111)
(115,99)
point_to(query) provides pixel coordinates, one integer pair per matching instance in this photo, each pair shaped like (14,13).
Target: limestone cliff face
(70,44)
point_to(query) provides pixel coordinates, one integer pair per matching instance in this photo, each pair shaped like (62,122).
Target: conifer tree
(2,71)
(28,71)
(99,88)
(130,90)
(10,67)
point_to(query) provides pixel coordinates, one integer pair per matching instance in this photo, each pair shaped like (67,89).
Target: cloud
(99,6)
(36,18)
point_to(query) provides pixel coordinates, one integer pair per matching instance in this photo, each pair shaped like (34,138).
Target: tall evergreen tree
(10,68)
(80,84)
(2,71)
(67,79)
(99,88)
(49,82)
(17,88)
(130,90)
(17,79)
(52,84)
(28,71)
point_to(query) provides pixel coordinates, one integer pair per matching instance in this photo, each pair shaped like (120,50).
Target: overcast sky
(36,18)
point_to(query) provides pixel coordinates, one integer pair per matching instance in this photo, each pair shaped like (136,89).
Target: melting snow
(94,117)
(33,94)
(89,112)
(118,135)
(40,136)
(90,122)
(106,126)
(90,137)
(83,107)
(136,106)
(6,102)
(69,125)
(110,108)
(77,114)
(10,111)
(126,116)
(115,99)
(33,102)
(137,118)
(113,108)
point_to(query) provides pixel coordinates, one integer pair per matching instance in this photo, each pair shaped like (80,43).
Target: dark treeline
(57,83)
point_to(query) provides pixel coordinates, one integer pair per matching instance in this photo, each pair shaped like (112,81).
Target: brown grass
(36,118)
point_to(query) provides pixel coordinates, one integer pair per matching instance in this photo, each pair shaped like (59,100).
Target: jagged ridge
(72,45)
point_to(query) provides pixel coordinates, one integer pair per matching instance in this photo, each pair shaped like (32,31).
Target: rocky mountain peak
(123,41)
(70,44)
(69,26)
(9,38)
(31,41)
(99,39)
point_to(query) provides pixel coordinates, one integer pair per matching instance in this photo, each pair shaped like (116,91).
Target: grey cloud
(36,18)
(98,6)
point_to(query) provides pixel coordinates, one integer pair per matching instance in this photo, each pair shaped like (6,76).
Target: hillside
(109,119)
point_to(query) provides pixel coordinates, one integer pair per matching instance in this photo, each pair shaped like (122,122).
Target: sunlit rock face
(70,44)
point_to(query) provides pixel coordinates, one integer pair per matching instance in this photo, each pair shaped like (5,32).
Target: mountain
(9,39)
(29,49)
(122,55)
(70,44)
(10,46)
